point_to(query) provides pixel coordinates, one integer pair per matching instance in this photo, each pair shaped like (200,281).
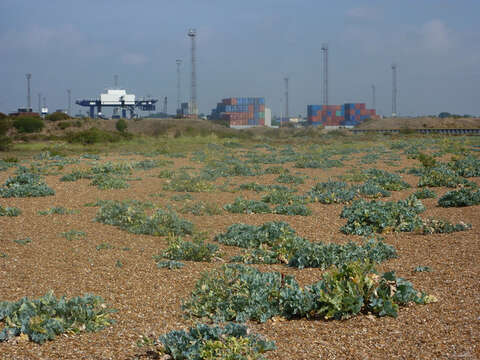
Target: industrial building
(242,112)
(346,115)
(118,100)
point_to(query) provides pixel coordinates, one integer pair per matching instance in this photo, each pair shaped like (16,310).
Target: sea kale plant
(459,198)
(233,342)
(25,184)
(44,318)
(240,293)
(9,211)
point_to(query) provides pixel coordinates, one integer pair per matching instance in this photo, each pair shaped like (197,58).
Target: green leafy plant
(170,264)
(245,206)
(233,342)
(103,246)
(44,318)
(436,226)
(388,181)
(290,179)
(364,218)
(425,193)
(107,181)
(201,208)
(74,234)
(468,166)
(23,241)
(121,125)
(186,183)
(459,198)
(292,210)
(57,210)
(331,192)
(195,250)
(372,190)
(9,211)
(131,216)
(28,124)
(441,176)
(25,184)
(422,269)
(240,293)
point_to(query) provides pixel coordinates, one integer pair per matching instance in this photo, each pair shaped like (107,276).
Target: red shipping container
(262,108)
(362,106)
(250,108)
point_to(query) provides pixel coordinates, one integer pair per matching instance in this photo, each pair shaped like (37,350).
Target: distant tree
(444,114)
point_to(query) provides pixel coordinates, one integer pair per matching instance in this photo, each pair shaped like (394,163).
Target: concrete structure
(268,117)
(117,99)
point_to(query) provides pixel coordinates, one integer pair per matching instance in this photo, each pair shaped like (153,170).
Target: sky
(245,48)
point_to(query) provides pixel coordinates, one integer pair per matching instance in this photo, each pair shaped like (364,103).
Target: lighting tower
(179,94)
(39,103)
(373,97)
(192,33)
(394,90)
(286,99)
(115,86)
(29,99)
(69,93)
(165,103)
(325,74)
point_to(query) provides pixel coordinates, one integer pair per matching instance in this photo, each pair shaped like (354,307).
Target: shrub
(245,206)
(170,264)
(434,226)
(44,318)
(5,124)
(283,197)
(468,166)
(196,250)
(121,125)
(28,124)
(240,293)
(9,211)
(25,185)
(372,190)
(427,161)
(5,143)
(212,342)
(94,136)
(459,198)
(107,181)
(441,176)
(130,216)
(64,125)
(201,208)
(186,183)
(386,180)
(57,116)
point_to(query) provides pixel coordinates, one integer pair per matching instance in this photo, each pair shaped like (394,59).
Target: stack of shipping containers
(349,114)
(241,112)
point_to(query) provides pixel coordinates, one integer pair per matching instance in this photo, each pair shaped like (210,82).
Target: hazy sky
(245,48)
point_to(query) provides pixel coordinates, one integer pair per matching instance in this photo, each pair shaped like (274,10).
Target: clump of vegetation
(121,125)
(57,210)
(468,166)
(422,269)
(364,218)
(74,234)
(9,211)
(436,226)
(290,179)
(24,241)
(5,125)
(95,136)
(425,194)
(195,250)
(187,183)
(331,192)
(170,264)
(25,184)
(212,342)
(57,116)
(131,216)
(240,293)
(283,196)
(441,176)
(28,124)
(388,181)
(244,206)
(44,318)
(107,182)
(372,190)
(277,242)
(460,198)
(201,208)
(103,246)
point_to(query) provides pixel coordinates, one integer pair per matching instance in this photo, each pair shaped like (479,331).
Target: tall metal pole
(39,103)
(179,94)
(192,33)
(165,103)
(325,74)
(29,99)
(286,99)
(394,90)
(373,97)
(69,93)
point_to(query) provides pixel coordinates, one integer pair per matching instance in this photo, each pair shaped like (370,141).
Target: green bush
(372,190)
(240,293)
(459,198)
(107,181)
(95,135)
(57,116)
(25,185)
(44,318)
(388,181)
(64,125)
(425,194)
(121,125)
(201,208)
(196,250)
(187,183)
(244,206)
(9,211)
(468,166)
(441,176)
(331,192)
(5,143)
(5,125)
(28,124)
(292,210)
(131,216)
(233,342)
